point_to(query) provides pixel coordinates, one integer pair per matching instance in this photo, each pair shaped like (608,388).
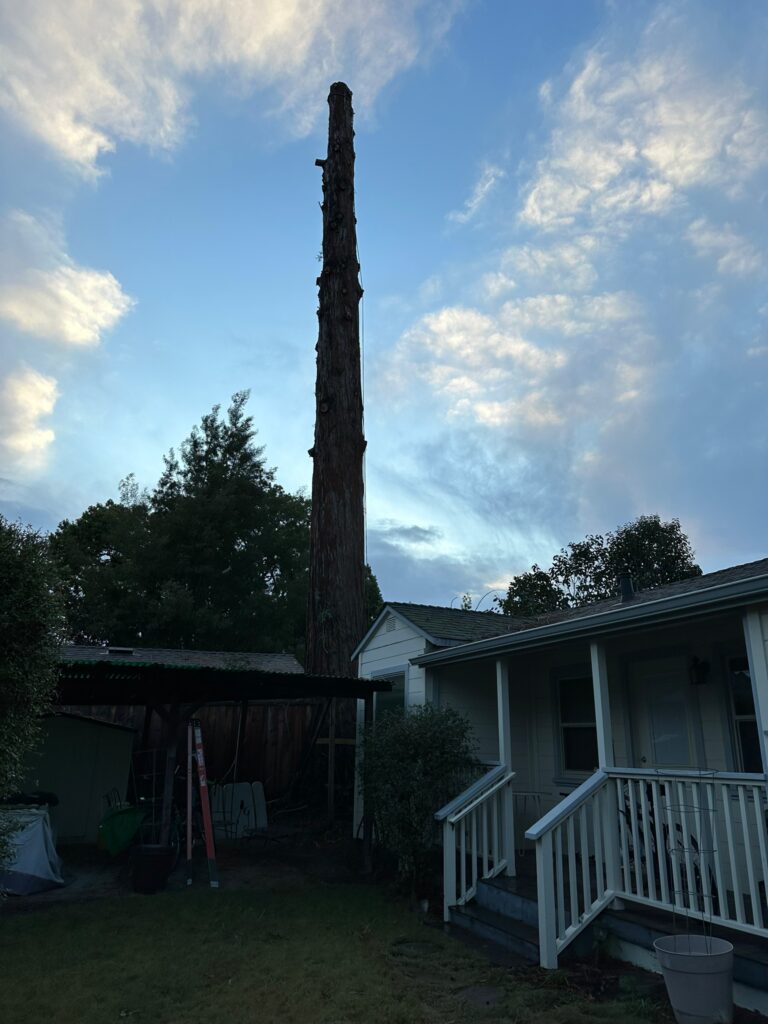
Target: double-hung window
(744,719)
(578,732)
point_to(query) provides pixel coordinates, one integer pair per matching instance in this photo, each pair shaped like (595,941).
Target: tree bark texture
(336,617)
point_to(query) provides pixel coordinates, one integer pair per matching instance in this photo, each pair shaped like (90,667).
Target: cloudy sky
(563,211)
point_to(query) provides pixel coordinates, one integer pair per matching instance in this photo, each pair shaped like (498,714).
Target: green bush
(30,637)
(412,764)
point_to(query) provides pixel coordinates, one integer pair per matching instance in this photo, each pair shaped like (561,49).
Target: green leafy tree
(215,556)
(653,552)
(31,631)
(412,764)
(531,593)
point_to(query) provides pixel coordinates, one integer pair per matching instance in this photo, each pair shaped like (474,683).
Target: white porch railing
(694,843)
(478,836)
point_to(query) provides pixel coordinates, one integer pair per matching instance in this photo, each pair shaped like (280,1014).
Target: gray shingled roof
(734,587)
(457,625)
(182,659)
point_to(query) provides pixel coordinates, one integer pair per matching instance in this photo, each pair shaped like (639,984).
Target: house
(626,751)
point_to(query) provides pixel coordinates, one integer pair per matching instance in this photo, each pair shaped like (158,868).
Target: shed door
(663,714)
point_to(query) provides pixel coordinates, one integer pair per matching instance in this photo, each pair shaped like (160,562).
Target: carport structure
(176,684)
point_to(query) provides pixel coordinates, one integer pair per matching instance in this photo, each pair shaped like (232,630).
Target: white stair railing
(577,864)
(691,842)
(478,836)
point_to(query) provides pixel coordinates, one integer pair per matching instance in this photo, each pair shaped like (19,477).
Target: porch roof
(735,587)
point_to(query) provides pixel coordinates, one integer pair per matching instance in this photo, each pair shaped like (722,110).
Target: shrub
(30,635)
(412,764)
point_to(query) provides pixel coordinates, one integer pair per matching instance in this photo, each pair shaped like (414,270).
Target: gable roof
(736,586)
(444,627)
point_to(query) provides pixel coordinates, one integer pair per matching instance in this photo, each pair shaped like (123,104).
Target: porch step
(511,935)
(641,925)
(510,897)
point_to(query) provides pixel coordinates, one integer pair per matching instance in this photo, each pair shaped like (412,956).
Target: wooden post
(332,762)
(336,604)
(240,740)
(171,753)
(603,723)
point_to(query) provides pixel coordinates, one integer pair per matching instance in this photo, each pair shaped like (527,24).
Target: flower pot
(152,864)
(698,973)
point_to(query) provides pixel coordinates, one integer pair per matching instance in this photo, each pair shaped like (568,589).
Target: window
(394,699)
(578,734)
(744,720)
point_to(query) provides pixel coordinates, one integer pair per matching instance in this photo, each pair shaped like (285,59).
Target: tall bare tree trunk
(336,615)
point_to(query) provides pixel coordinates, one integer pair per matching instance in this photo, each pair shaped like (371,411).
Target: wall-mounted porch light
(698,671)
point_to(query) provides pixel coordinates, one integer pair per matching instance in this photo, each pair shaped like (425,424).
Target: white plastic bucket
(698,973)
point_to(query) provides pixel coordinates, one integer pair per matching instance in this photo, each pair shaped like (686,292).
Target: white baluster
(735,880)
(546,894)
(682,799)
(635,837)
(758,796)
(561,922)
(474,849)
(449,868)
(484,828)
(573,882)
(754,892)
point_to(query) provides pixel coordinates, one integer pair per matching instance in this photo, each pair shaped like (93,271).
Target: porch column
(605,758)
(602,707)
(505,758)
(757,656)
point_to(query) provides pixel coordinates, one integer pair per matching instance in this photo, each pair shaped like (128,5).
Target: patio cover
(135,676)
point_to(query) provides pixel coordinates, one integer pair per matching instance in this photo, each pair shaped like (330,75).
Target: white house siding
(471,689)
(391,650)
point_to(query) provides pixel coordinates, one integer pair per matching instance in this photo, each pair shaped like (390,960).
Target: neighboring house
(629,741)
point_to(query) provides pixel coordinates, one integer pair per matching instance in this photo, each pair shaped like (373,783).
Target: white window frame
(583,672)
(735,717)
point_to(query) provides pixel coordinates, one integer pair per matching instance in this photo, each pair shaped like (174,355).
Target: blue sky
(562,207)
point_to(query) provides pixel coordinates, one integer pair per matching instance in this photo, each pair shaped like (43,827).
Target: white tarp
(34,865)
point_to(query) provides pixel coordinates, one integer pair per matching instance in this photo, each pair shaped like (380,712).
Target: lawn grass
(330,954)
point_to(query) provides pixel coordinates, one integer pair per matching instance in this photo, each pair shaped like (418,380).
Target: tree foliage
(653,552)
(412,764)
(215,556)
(31,631)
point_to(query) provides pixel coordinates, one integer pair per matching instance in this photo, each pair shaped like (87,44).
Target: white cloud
(566,264)
(26,397)
(632,136)
(489,178)
(540,363)
(45,293)
(84,76)
(735,254)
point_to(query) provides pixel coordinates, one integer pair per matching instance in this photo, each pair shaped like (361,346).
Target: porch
(636,763)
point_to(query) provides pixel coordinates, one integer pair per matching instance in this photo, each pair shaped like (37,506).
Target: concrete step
(513,936)
(503,897)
